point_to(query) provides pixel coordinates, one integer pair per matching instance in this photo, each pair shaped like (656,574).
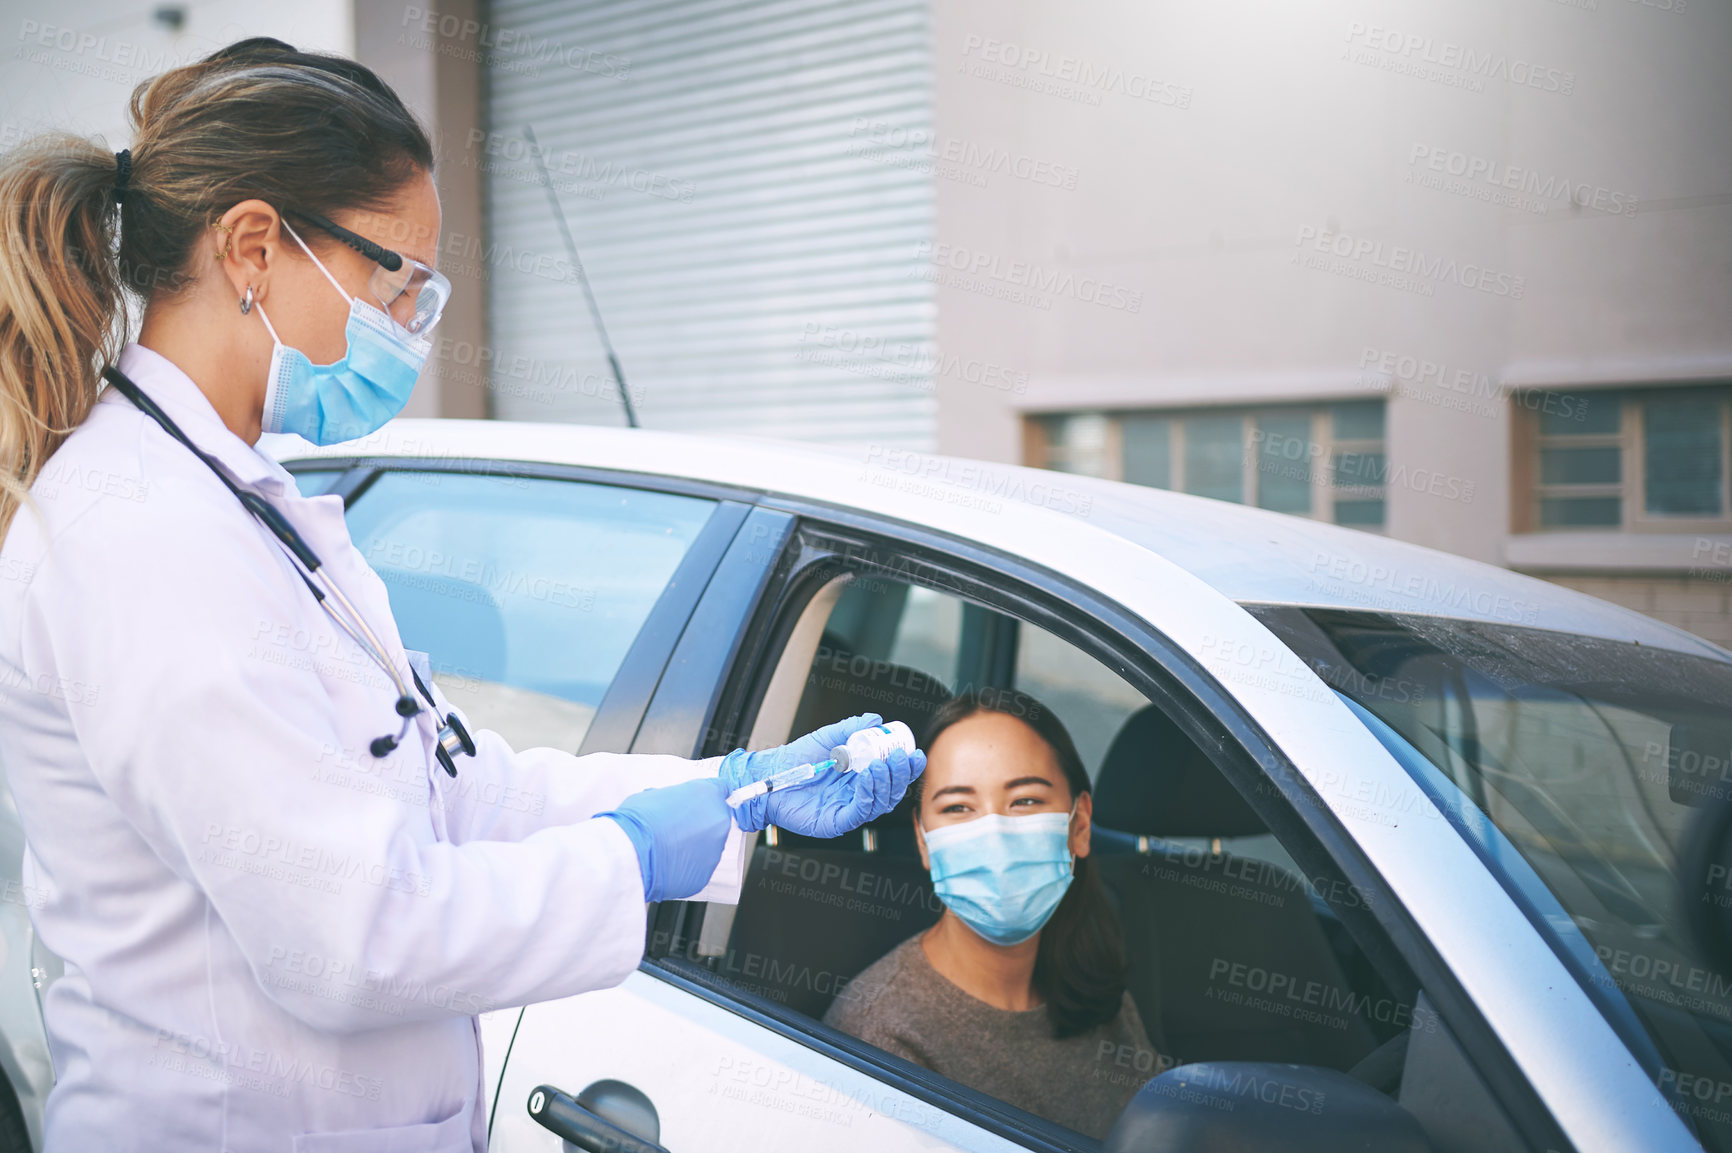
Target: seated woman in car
(1019,990)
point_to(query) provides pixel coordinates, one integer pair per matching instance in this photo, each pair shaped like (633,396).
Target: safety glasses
(396,278)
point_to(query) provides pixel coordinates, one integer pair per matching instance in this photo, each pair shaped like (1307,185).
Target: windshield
(1589,758)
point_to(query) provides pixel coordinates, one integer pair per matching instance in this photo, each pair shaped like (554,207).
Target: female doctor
(258,959)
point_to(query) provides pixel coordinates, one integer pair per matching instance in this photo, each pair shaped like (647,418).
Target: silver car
(1393,837)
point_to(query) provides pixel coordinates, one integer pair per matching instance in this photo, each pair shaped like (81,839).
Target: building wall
(1699,604)
(73,66)
(1270,189)
(1453,208)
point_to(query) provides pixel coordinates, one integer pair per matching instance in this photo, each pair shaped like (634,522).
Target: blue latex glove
(679,833)
(833,803)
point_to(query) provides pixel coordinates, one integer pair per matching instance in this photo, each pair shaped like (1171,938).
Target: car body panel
(759,1090)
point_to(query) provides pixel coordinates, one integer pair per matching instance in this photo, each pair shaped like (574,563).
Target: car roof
(1250,555)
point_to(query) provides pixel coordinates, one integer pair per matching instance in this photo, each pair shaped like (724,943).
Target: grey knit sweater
(903,1005)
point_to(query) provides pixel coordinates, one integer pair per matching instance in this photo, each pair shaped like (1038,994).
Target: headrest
(843,683)
(457,621)
(1155,782)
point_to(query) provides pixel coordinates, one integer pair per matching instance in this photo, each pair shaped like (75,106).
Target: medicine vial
(873,744)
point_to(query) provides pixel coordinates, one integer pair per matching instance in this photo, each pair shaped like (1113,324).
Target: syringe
(798,775)
(864,747)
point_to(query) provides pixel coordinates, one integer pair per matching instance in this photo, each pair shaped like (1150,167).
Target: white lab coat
(271,943)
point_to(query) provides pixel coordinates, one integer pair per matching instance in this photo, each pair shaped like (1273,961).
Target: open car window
(1230,951)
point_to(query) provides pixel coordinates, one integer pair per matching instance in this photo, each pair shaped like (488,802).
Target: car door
(720,1036)
(548,599)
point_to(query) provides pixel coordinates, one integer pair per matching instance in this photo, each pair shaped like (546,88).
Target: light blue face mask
(1003,876)
(330,403)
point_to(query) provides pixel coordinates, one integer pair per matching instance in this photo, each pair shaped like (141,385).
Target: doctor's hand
(835,802)
(679,833)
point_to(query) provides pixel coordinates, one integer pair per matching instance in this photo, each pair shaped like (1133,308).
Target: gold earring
(228,239)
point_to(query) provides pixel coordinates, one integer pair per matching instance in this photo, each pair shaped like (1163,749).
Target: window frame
(1528,489)
(827,540)
(1319,414)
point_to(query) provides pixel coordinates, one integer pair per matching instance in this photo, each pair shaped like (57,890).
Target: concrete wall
(73,66)
(432,54)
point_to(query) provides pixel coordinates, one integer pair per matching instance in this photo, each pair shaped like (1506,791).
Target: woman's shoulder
(110,485)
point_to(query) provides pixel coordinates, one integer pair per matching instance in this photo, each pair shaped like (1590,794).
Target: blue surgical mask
(1003,876)
(330,403)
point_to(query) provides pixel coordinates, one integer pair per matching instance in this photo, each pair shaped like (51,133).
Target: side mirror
(1705,881)
(1252,1106)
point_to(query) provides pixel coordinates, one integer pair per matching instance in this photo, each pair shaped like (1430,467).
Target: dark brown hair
(303,131)
(1079,965)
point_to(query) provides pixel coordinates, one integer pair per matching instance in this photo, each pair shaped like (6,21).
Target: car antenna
(583,277)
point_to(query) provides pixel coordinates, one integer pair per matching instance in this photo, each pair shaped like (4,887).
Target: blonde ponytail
(62,315)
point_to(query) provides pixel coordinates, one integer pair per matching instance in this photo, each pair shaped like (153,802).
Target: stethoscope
(453,738)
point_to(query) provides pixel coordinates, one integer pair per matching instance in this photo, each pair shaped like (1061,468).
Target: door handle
(560,1114)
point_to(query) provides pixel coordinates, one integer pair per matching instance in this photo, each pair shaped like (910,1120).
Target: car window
(1231,951)
(317,481)
(1592,760)
(957,645)
(526,593)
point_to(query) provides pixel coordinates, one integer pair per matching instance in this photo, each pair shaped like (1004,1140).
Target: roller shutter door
(740,182)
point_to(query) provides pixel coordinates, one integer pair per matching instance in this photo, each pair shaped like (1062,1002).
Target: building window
(1642,460)
(1321,461)
(1681,447)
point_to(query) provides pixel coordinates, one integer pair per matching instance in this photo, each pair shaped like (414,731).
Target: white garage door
(746,185)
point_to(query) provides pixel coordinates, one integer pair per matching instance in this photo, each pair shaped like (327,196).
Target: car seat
(456,621)
(843,683)
(1228,959)
(810,919)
